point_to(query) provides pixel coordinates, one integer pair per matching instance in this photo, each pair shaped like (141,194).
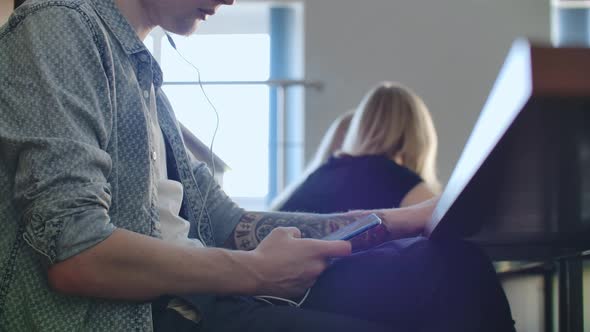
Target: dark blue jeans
(407,285)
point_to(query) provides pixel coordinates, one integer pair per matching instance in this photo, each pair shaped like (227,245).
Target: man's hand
(286,265)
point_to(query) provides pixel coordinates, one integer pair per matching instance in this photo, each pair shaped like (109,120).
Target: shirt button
(154,156)
(143,57)
(146,94)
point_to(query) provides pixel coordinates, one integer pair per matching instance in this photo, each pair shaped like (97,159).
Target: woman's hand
(399,222)
(408,221)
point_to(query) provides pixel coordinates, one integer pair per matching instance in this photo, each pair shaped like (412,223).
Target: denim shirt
(77,159)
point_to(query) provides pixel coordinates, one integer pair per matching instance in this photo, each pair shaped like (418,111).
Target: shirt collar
(125,34)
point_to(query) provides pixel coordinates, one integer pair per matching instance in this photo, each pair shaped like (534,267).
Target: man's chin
(183,29)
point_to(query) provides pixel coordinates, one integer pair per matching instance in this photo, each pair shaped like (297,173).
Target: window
(242,137)
(232,51)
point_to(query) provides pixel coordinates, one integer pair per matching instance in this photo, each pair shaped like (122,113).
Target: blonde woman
(387,158)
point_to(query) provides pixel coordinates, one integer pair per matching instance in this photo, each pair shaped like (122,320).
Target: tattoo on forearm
(255,226)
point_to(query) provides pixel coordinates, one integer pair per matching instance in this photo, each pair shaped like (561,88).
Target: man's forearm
(130,266)
(397,223)
(255,226)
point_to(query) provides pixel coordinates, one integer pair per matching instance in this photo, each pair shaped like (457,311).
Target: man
(105,216)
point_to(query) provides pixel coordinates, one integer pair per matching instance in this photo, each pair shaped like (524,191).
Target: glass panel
(244,57)
(586,288)
(242,137)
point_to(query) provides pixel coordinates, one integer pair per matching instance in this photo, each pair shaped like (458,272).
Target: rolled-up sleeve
(55,106)
(223,212)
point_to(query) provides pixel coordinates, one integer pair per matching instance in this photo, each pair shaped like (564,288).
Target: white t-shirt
(174,228)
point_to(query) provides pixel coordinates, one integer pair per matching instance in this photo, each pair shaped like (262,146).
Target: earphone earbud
(170,40)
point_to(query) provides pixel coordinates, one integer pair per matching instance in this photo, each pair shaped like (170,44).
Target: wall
(5,10)
(448,51)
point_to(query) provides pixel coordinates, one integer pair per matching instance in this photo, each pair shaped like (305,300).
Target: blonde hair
(332,141)
(393,121)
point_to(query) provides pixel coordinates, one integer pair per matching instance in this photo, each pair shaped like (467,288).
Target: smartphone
(356,228)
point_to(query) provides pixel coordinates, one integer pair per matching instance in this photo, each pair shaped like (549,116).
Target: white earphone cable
(268,299)
(211,155)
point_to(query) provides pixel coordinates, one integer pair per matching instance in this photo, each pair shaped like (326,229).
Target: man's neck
(137,15)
